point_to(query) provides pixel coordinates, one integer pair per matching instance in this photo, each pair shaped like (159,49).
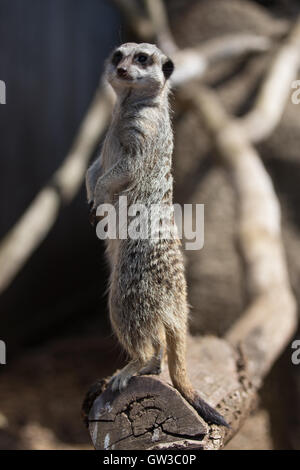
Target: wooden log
(151,414)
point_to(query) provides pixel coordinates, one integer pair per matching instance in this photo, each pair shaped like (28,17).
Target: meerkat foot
(121,379)
(119,382)
(154,366)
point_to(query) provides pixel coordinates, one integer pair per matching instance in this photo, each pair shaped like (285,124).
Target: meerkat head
(138,66)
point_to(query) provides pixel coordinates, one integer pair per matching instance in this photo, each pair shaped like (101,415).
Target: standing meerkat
(147,295)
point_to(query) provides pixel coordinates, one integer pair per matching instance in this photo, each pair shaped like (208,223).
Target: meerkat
(147,294)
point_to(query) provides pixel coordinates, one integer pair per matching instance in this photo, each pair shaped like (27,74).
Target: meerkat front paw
(92,214)
(119,382)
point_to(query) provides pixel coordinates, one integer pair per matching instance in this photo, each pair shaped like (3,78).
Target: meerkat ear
(168,68)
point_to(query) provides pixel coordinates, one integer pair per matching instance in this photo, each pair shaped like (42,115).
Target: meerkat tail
(177,368)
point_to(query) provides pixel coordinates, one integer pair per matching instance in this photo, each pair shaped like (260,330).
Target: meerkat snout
(139,66)
(122,71)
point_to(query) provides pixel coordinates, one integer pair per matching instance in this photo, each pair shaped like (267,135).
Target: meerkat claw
(114,384)
(92,215)
(119,383)
(123,383)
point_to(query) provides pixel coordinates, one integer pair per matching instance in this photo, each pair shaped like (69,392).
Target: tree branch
(271,318)
(194,62)
(20,242)
(270,102)
(136,19)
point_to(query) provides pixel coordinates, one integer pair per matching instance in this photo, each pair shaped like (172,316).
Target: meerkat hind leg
(154,366)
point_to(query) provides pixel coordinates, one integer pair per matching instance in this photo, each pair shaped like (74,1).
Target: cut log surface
(151,414)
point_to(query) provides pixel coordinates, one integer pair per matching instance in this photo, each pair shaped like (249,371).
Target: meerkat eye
(116,58)
(142,58)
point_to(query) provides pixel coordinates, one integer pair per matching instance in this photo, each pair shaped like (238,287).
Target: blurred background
(53,314)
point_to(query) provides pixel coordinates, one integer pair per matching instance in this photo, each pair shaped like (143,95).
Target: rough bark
(151,414)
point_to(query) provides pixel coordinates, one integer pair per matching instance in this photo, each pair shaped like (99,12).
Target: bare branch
(149,24)
(271,319)
(158,18)
(192,63)
(270,103)
(35,223)
(136,19)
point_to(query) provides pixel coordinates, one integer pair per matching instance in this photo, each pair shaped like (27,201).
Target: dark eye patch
(168,68)
(141,58)
(116,58)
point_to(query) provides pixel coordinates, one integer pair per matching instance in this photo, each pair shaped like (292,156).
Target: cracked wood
(151,414)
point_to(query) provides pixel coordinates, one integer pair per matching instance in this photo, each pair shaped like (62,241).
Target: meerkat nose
(122,71)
